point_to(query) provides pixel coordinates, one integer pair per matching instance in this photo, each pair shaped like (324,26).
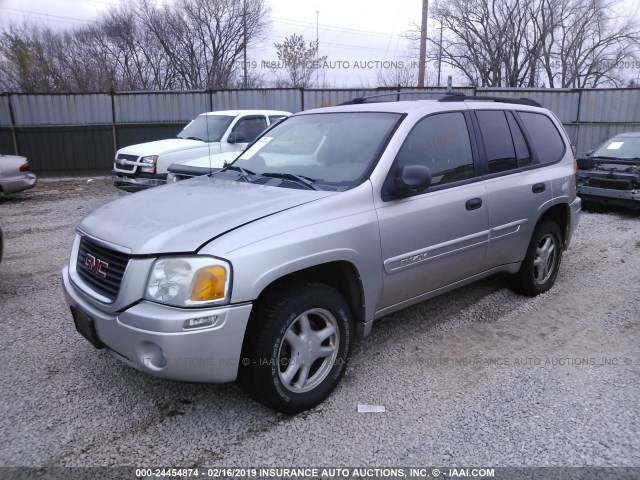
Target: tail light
(25,167)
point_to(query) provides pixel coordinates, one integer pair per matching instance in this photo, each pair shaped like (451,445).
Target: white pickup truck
(145,164)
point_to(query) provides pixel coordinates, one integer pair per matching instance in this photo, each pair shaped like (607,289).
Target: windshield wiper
(244,174)
(301,179)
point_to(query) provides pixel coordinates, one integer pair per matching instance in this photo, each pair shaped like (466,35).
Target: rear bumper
(19,183)
(575,210)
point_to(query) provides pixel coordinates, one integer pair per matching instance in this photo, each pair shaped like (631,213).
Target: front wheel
(298,347)
(541,264)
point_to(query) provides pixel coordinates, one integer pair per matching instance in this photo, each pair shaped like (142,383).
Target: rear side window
(251,127)
(545,136)
(522,150)
(441,142)
(498,145)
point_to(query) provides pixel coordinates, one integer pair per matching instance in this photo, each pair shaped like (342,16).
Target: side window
(441,142)
(522,150)
(496,135)
(545,136)
(275,118)
(251,127)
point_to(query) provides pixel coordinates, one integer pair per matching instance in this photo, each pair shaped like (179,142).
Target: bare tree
(297,62)
(404,73)
(192,44)
(526,43)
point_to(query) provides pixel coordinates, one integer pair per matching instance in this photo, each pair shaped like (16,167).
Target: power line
(54,18)
(330,27)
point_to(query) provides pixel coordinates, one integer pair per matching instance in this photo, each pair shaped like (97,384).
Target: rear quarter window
(544,136)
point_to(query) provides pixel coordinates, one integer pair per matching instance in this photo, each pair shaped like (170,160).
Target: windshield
(208,128)
(326,148)
(619,147)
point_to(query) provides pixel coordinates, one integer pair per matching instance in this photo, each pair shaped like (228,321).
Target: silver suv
(266,271)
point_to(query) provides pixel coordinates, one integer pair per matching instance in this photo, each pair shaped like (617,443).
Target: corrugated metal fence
(74,132)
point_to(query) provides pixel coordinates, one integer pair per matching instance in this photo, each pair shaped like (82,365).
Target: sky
(357,37)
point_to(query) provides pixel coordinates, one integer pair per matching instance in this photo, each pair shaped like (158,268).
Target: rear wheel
(541,264)
(298,347)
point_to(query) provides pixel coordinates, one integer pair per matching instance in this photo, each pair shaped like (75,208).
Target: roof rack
(448,97)
(358,100)
(464,98)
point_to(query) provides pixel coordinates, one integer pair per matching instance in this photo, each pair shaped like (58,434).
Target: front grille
(125,167)
(122,156)
(101,268)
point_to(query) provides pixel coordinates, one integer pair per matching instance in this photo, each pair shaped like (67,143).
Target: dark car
(610,174)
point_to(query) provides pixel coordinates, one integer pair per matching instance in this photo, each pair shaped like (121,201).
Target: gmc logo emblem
(95,265)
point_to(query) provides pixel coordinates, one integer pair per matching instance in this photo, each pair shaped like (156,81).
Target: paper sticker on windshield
(615,145)
(255,148)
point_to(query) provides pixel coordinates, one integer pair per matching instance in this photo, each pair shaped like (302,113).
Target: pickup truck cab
(145,165)
(266,271)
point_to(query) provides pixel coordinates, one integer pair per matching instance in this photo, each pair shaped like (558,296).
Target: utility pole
(244,29)
(317,51)
(422,62)
(440,54)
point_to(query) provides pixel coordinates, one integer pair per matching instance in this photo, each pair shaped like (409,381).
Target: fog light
(201,322)
(151,356)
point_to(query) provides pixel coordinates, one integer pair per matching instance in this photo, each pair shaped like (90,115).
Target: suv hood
(183,216)
(162,147)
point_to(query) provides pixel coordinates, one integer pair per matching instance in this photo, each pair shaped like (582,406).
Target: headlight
(151,160)
(189,281)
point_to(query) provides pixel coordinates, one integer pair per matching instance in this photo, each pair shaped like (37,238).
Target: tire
(541,264)
(288,365)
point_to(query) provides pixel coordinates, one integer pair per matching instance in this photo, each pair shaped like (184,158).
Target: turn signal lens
(209,284)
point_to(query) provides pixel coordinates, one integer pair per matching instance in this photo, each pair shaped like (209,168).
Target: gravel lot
(478,377)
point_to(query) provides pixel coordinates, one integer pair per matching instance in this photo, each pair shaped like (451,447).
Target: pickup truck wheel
(299,347)
(541,264)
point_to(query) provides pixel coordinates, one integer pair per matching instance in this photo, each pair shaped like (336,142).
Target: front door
(438,237)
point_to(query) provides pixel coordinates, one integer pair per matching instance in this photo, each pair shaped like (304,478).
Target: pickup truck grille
(125,167)
(101,268)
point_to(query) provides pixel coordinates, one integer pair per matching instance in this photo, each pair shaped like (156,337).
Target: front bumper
(610,195)
(151,338)
(139,182)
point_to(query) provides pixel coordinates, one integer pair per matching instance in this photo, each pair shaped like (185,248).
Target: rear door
(438,237)
(517,188)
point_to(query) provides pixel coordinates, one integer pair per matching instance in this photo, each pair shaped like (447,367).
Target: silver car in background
(15,174)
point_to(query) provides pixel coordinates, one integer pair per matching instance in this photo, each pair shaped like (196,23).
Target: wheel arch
(558,213)
(341,275)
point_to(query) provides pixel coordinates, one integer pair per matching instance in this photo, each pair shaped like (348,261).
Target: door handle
(538,188)
(473,204)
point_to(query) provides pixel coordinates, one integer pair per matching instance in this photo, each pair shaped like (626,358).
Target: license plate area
(86,327)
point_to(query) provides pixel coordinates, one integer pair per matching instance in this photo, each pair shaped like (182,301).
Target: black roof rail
(518,101)
(359,100)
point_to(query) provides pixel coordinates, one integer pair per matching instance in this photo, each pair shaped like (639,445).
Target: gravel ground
(478,377)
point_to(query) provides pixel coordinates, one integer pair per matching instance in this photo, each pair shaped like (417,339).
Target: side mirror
(236,137)
(411,180)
